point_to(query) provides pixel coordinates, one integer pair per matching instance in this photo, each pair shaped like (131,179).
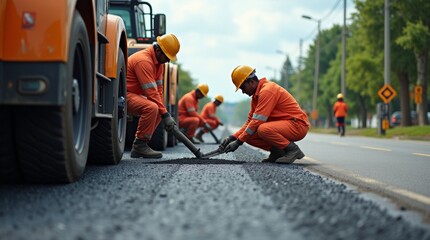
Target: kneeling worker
(209,115)
(145,92)
(275,120)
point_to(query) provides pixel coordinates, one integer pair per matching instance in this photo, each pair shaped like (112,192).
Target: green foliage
(415,36)
(186,82)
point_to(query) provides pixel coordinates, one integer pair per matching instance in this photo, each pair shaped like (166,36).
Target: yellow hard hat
(169,44)
(240,74)
(340,95)
(219,98)
(204,89)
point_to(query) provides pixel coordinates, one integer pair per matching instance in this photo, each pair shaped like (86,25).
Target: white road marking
(421,154)
(378,149)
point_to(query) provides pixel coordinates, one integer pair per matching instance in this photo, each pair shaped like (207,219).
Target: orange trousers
(278,134)
(149,117)
(189,123)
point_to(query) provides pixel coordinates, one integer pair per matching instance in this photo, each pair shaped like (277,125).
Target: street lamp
(286,68)
(317,67)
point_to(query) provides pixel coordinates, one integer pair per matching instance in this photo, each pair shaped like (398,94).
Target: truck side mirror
(159,24)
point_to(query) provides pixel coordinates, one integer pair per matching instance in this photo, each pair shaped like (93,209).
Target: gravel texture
(231,196)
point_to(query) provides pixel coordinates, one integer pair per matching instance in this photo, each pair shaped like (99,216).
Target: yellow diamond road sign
(387,93)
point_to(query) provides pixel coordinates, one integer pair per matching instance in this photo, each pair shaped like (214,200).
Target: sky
(217,36)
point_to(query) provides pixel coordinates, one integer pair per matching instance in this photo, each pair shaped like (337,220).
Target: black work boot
(292,152)
(199,136)
(141,149)
(275,153)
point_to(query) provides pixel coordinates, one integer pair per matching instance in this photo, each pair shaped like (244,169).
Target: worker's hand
(207,126)
(226,141)
(233,146)
(168,121)
(222,124)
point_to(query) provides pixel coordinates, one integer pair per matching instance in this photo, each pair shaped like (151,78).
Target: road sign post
(386,93)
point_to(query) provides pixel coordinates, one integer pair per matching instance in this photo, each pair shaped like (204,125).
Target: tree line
(409,50)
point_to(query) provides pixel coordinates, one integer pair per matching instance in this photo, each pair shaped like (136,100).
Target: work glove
(222,124)
(168,121)
(226,141)
(207,126)
(233,146)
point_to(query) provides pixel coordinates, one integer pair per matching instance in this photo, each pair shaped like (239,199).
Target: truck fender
(115,32)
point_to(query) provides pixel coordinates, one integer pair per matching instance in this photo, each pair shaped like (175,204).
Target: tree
(416,37)
(186,82)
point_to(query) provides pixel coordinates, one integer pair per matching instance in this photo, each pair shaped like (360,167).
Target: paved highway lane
(233,196)
(399,166)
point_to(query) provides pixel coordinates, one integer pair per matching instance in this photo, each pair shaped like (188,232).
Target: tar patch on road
(197,161)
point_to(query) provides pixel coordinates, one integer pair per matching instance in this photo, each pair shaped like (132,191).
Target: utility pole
(317,69)
(285,83)
(343,74)
(299,69)
(387,43)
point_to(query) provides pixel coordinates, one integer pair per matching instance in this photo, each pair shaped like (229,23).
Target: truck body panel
(62,80)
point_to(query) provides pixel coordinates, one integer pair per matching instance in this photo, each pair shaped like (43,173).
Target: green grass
(411,133)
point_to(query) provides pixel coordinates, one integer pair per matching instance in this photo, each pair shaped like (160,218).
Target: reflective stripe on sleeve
(149,85)
(259,117)
(212,115)
(249,131)
(191,109)
(159,82)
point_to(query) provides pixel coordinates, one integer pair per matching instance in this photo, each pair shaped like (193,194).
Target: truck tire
(108,138)
(9,172)
(159,138)
(52,141)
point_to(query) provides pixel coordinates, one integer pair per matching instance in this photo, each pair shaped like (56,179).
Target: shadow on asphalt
(197,161)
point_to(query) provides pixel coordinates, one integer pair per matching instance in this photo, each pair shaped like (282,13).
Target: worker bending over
(209,115)
(275,120)
(188,116)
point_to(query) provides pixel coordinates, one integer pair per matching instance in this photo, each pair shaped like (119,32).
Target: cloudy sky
(216,36)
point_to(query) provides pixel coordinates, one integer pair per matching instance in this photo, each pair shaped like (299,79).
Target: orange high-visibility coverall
(275,118)
(188,116)
(209,115)
(340,108)
(145,91)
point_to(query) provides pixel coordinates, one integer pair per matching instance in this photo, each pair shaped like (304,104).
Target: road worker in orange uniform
(209,115)
(339,111)
(275,120)
(145,92)
(188,115)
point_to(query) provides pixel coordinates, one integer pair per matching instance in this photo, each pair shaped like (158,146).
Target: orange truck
(62,89)
(143,27)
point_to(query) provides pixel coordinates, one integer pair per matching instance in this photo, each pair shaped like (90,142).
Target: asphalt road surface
(232,196)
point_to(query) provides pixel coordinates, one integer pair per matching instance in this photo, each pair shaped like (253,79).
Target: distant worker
(188,115)
(145,92)
(275,120)
(209,115)
(339,111)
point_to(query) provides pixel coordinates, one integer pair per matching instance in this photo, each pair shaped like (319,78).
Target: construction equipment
(214,153)
(143,28)
(62,88)
(182,138)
